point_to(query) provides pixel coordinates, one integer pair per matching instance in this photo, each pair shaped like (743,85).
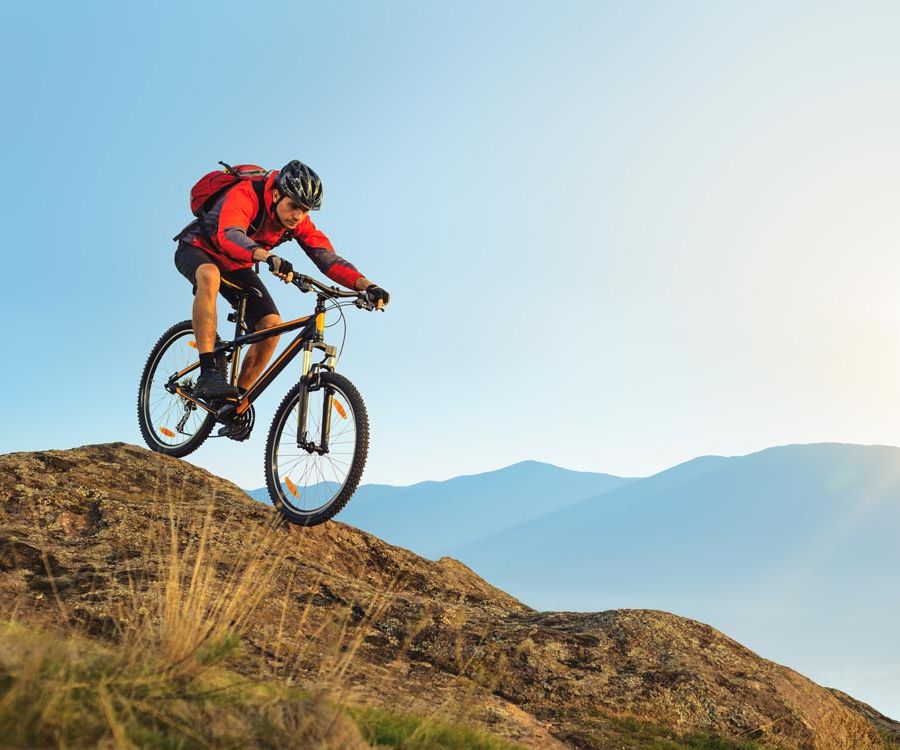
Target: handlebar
(308,283)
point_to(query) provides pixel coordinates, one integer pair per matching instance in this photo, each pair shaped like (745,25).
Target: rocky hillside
(84,532)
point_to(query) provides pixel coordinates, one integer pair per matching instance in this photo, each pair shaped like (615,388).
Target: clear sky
(617,235)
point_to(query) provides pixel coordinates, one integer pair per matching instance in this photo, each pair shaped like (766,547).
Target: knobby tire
(285,412)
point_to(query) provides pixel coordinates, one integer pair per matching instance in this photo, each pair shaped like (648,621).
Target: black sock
(207,362)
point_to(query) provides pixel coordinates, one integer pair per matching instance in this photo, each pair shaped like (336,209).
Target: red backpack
(210,187)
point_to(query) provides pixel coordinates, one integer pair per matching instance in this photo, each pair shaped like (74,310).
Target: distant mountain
(433,517)
(794,550)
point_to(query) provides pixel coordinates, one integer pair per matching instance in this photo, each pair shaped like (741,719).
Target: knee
(207,278)
(268,321)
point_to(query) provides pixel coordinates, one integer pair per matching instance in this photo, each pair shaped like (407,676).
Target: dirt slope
(82,530)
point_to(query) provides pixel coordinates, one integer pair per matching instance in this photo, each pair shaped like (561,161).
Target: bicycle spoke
(164,409)
(317,478)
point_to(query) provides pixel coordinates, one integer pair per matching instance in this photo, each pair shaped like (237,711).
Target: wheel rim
(171,422)
(308,482)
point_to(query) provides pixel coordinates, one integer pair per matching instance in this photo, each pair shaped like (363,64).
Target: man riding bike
(222,243)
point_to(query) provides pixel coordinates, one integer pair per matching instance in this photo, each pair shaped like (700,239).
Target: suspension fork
(303,404)
(303,440)
(326,420)
(307,379)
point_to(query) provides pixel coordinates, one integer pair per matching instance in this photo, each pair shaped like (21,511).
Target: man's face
(288,212)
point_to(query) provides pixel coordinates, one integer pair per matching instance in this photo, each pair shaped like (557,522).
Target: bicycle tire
(355,464)
(146,409)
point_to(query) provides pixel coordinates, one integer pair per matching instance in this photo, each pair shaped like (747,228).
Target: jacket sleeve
(317,246)
(238,210)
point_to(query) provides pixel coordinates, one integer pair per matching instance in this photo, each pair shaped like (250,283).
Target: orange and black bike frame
(310,337)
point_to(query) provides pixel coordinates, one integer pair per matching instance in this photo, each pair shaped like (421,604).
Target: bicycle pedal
(226,411)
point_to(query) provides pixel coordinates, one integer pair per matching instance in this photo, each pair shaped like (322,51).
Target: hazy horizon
(613,473)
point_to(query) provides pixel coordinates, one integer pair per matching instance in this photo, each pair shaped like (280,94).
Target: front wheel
(313,474)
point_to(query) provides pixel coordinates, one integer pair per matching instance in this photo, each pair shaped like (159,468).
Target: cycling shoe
(211,385)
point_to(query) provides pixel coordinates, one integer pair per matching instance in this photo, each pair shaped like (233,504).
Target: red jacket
(223,234)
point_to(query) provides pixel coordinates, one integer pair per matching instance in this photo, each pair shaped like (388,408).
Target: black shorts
(188,258)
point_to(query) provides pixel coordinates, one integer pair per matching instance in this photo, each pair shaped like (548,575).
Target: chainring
(240,426)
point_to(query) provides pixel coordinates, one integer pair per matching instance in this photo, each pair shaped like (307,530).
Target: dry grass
(66,691)
(162,682)
(194,615)
(162,678)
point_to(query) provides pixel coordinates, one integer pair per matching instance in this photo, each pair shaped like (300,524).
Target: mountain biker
(220,244)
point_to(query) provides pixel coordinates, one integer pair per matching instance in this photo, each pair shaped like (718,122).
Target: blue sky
(617,235)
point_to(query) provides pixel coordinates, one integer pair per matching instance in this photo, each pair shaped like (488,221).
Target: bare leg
(204,311)
(258,354)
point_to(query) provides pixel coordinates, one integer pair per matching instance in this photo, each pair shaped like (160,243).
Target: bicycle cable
(339,307)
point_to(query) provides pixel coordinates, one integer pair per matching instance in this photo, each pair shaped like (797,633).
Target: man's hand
(281,268)
(377,296)
(374,293)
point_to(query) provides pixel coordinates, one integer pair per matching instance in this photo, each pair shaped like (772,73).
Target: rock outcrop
(85,531)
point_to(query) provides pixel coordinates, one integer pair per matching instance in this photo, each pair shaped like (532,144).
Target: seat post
(238,330)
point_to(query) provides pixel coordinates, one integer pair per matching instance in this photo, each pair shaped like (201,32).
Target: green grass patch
(632,734)
(385,729)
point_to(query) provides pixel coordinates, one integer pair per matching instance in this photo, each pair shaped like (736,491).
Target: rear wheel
(170,423)
(307,482)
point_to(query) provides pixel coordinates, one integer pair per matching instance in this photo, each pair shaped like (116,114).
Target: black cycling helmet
(299,183)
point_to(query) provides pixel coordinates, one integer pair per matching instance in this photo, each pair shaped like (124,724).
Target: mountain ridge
(388,493)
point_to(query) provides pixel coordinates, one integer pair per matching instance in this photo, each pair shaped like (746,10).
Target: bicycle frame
(311,336)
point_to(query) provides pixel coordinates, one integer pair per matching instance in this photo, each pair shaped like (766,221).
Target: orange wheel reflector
(167,432)
(291,487)
(192,344)
(339,408)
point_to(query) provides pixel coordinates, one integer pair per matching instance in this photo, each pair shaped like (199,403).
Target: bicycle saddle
(241,290)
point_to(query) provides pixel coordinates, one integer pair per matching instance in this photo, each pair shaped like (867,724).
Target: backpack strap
(259,187)
(211,201)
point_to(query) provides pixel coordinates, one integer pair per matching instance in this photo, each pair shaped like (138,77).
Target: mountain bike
(319,438)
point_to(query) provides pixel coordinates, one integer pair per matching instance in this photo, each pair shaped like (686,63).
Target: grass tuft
(385,729)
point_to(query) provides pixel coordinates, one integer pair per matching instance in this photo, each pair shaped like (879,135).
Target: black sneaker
(211,385)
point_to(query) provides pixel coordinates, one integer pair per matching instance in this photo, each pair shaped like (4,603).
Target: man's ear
(276,196)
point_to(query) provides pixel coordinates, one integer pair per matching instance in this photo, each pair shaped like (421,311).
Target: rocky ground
(84,532)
